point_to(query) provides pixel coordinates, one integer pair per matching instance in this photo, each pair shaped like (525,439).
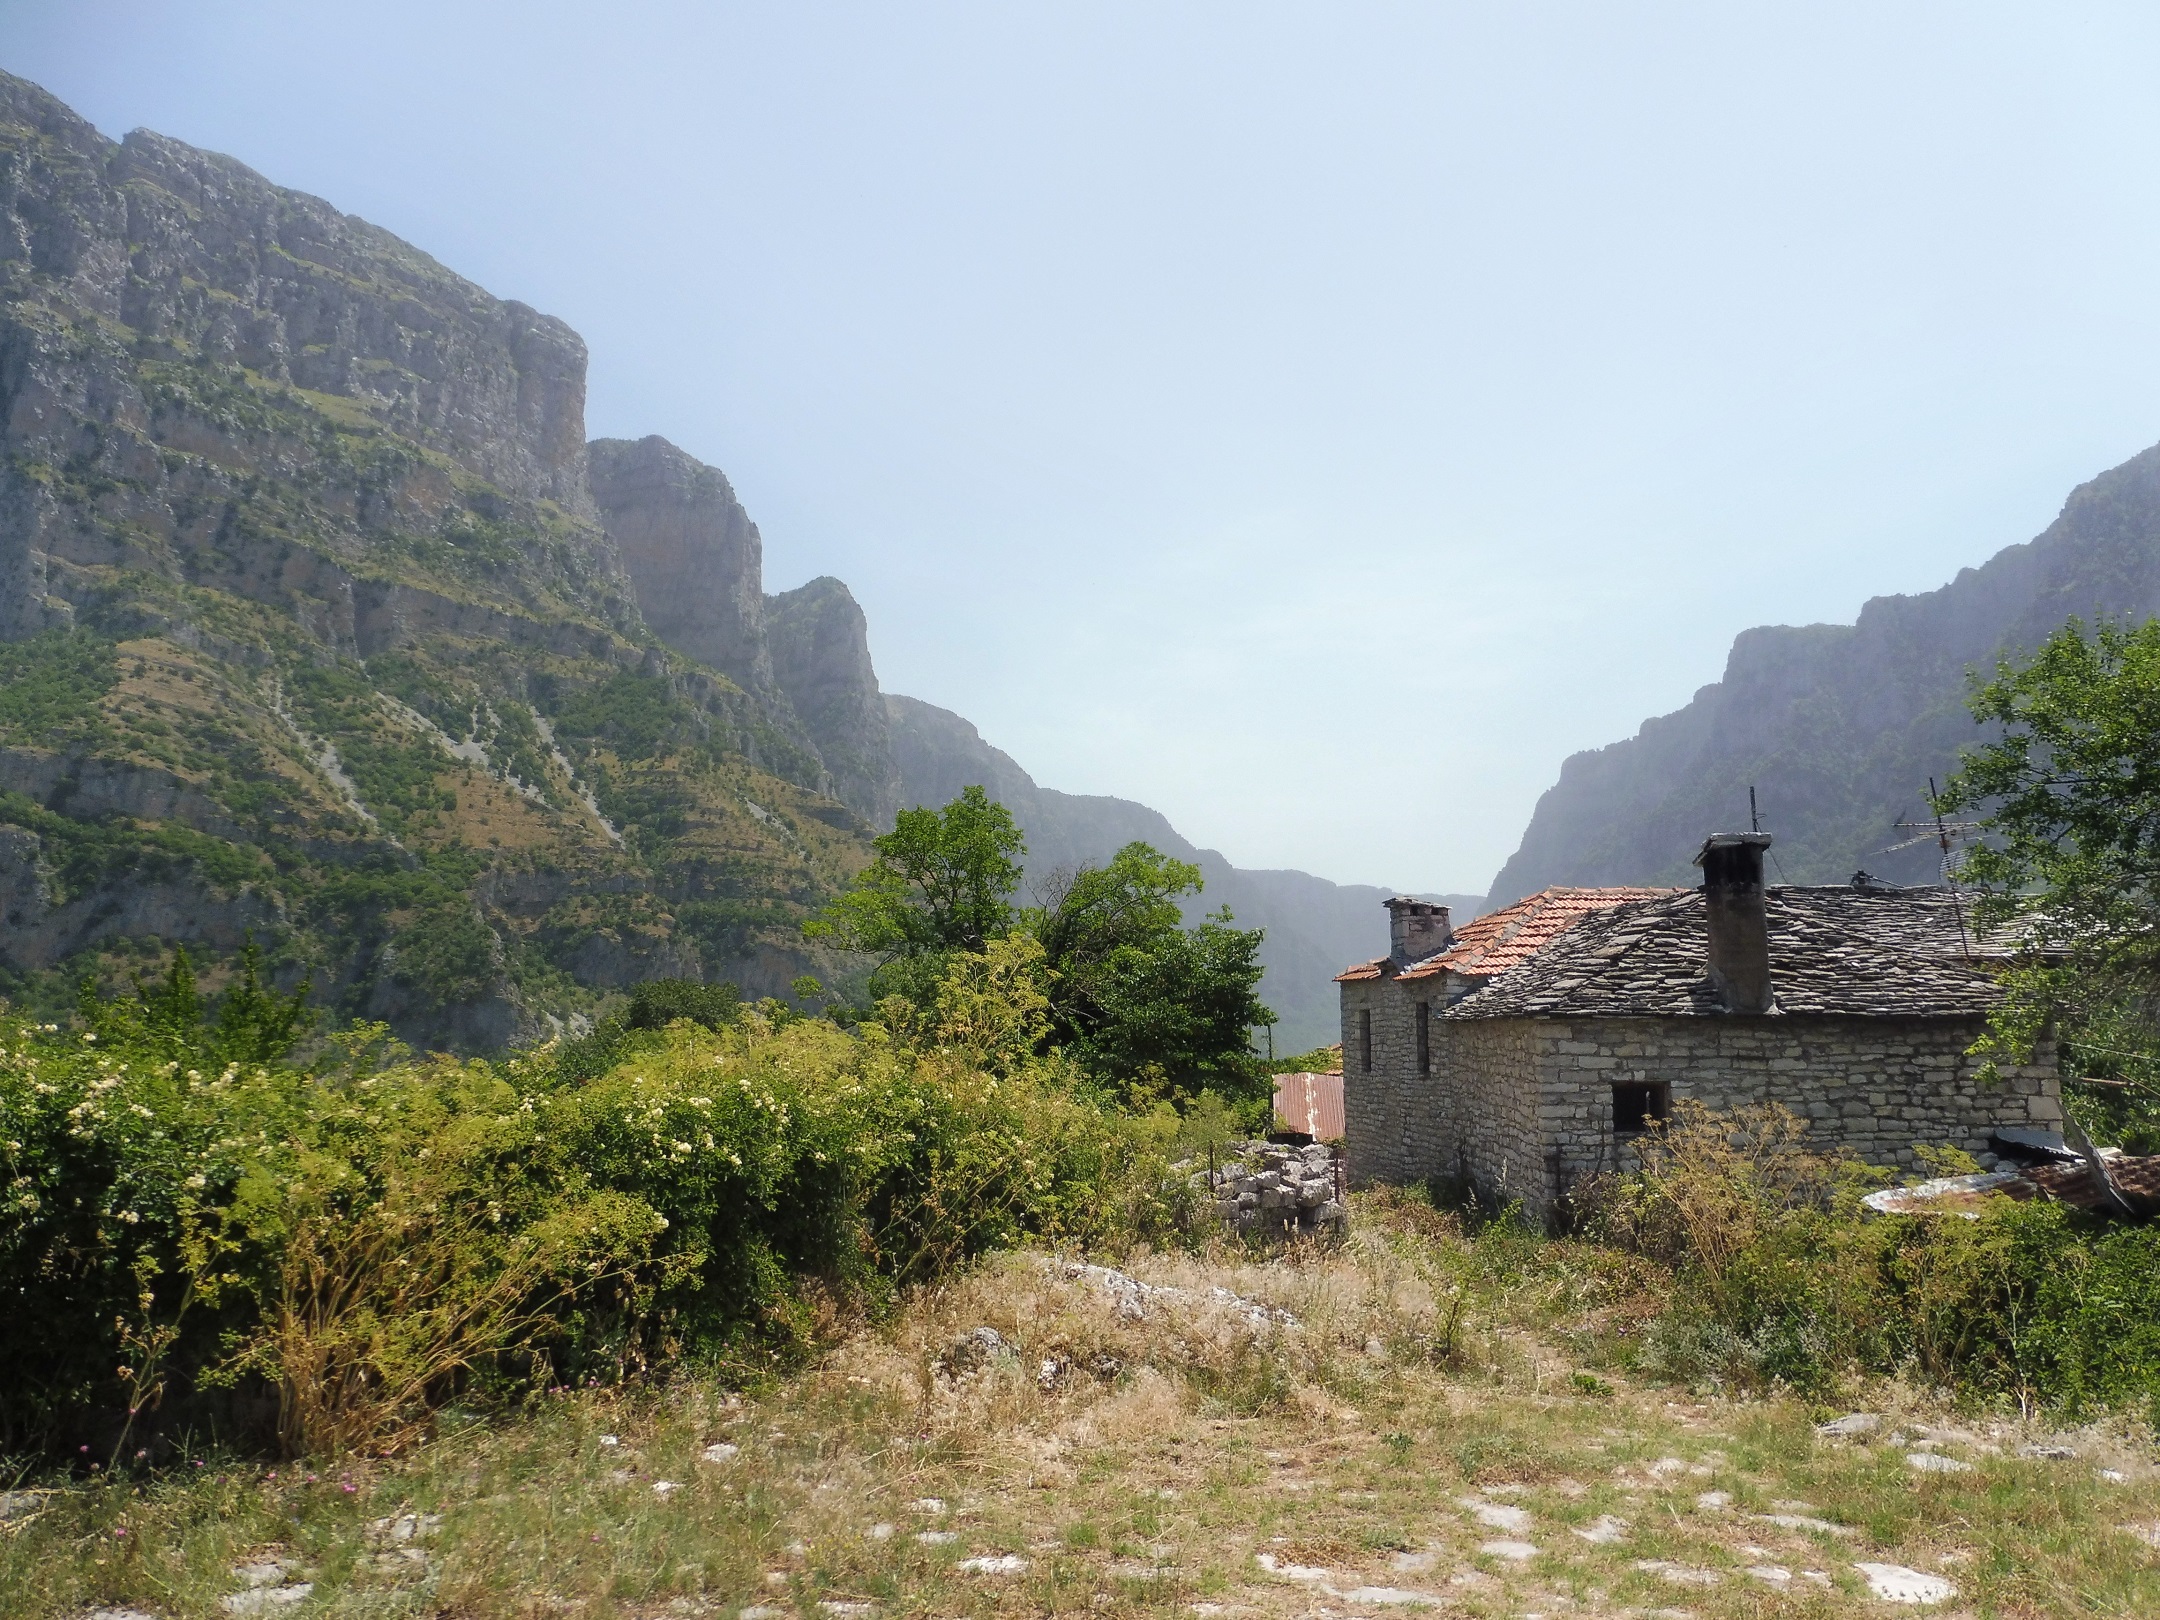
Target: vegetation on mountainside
(2070,798)
(383,877)
(1159,1010)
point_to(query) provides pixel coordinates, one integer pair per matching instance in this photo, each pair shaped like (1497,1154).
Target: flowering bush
(366,1240)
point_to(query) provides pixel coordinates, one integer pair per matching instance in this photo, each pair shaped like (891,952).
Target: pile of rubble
(1267,1189)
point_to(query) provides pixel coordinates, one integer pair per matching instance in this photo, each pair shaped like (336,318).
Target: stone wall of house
(1878,1086)
(1396,1122)
(1495,1083)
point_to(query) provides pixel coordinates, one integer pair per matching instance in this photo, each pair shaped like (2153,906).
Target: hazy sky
(1313,421)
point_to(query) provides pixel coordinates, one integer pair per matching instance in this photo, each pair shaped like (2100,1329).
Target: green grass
(1136,1494)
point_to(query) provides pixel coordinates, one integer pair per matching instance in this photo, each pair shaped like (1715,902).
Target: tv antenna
(1945,835)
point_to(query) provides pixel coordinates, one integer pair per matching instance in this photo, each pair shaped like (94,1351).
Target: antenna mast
(1942,838)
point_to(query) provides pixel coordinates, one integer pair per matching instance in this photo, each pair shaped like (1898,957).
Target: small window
(1424,1037)
(1638,1106)
(1364,1039)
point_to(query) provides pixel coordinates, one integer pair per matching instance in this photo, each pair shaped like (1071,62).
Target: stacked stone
(1268,1190)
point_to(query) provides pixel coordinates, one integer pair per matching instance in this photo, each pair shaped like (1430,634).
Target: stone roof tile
(1880,952)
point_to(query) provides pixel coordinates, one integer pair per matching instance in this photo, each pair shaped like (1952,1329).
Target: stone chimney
(1732,889)
(1416,929)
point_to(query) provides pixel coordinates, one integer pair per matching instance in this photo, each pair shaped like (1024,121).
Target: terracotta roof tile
(1364,970)
(1499,940)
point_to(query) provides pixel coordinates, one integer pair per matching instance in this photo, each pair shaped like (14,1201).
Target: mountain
(1315,928)
(322,622)
(1839,727)
(314,629)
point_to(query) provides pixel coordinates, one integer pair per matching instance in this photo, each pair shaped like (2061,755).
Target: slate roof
(1497,941)
(1874,953)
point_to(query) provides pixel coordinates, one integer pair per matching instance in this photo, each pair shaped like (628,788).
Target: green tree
(942,882)
(1139,998)
(657,1003)
(2070,792)
(252,1023)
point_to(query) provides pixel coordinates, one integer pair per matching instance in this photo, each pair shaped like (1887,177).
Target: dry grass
(1159,1460)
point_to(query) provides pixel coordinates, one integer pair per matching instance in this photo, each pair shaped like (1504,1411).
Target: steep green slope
(309,626)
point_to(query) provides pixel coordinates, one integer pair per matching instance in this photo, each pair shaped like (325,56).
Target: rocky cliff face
(1839,727)
(821,658)
(695,560)
(309,624)
(124,258)
(696,564)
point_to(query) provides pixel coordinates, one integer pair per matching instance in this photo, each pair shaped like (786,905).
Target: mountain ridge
(1839,727)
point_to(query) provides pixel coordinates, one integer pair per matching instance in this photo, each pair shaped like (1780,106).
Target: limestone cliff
(695,560)
(309,625)
(821,659)
(696,564)
(1839,727)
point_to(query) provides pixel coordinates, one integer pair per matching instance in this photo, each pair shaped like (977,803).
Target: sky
(1314,421)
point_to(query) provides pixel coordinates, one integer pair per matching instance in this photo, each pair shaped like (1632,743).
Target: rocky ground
(1344,1431)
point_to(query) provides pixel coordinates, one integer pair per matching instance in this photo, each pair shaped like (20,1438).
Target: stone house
(1530,1049)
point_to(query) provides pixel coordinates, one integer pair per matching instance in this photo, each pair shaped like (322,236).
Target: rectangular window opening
(1364,1038)
(1424,1037)
(1637,1105)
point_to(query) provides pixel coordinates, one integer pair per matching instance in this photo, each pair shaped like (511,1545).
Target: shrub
(657,1003)
(1782,1279)
(366,1243)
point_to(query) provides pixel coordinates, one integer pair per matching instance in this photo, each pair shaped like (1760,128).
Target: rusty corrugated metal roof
(1311,1103)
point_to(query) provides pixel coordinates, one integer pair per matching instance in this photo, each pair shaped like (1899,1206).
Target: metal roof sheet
(1311,1103)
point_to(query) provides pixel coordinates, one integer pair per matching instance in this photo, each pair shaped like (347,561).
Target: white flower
(198,1180)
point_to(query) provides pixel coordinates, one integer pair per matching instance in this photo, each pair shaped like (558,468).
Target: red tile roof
(1311,1103)
(1505,938)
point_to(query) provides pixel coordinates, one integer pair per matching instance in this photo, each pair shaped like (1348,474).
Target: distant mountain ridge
(1839,727)
(1315,928)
